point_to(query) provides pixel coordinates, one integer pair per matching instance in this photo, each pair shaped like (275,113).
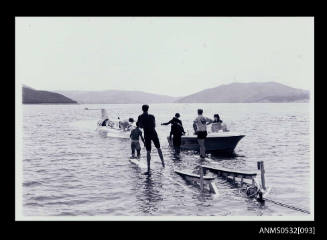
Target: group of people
(200,129)
(124,125)
(147,122)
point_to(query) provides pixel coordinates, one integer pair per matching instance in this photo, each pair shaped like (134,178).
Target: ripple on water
(31,184)
(77,172)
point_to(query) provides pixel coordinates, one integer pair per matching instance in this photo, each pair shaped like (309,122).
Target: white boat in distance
(112,127)
(218,142)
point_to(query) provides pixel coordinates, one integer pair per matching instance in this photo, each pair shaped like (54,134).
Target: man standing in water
(200,129)
(147,122)
(176,131)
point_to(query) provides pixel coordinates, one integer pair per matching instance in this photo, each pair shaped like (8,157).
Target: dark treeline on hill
(248,93)
(32,96)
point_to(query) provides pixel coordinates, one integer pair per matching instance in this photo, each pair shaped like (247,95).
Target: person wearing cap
(200,129)
(176,131)
(218,124)
(148,123)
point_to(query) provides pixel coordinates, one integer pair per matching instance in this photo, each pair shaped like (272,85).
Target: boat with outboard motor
(110,128)
(217,142)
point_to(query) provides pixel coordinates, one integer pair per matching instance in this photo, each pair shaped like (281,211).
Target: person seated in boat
(135,135)
(106,122)
(200,129)
(218,124)
(126,125)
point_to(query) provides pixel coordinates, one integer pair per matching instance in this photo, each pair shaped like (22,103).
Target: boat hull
(112,132)
(216,143)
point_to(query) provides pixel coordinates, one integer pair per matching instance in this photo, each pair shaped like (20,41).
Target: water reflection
(150,197)
(256,207)
(224,156)
(174,156)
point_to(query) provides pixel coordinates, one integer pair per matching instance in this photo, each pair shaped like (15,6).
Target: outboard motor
(104,114)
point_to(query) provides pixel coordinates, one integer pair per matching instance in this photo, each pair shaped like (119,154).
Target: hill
(32,96)
(248,93)
(116,96)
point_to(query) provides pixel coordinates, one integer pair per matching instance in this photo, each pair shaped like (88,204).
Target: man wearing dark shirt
(176,131)
(174,120)
(147,122)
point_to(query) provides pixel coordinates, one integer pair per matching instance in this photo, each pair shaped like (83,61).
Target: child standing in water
(135,144)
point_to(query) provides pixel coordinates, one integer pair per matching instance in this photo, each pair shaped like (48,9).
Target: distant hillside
(247,93)
(116,96)
(25,86)
(32,96)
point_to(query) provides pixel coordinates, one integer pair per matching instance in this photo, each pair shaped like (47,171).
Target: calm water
(69,169)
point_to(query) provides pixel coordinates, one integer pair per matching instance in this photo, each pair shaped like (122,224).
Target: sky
(173,56)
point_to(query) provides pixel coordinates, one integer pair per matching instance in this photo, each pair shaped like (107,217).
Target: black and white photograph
(164,118)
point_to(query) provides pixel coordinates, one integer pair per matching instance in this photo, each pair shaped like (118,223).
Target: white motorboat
(110,128)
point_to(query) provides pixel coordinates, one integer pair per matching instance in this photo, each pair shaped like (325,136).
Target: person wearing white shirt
(200,129)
